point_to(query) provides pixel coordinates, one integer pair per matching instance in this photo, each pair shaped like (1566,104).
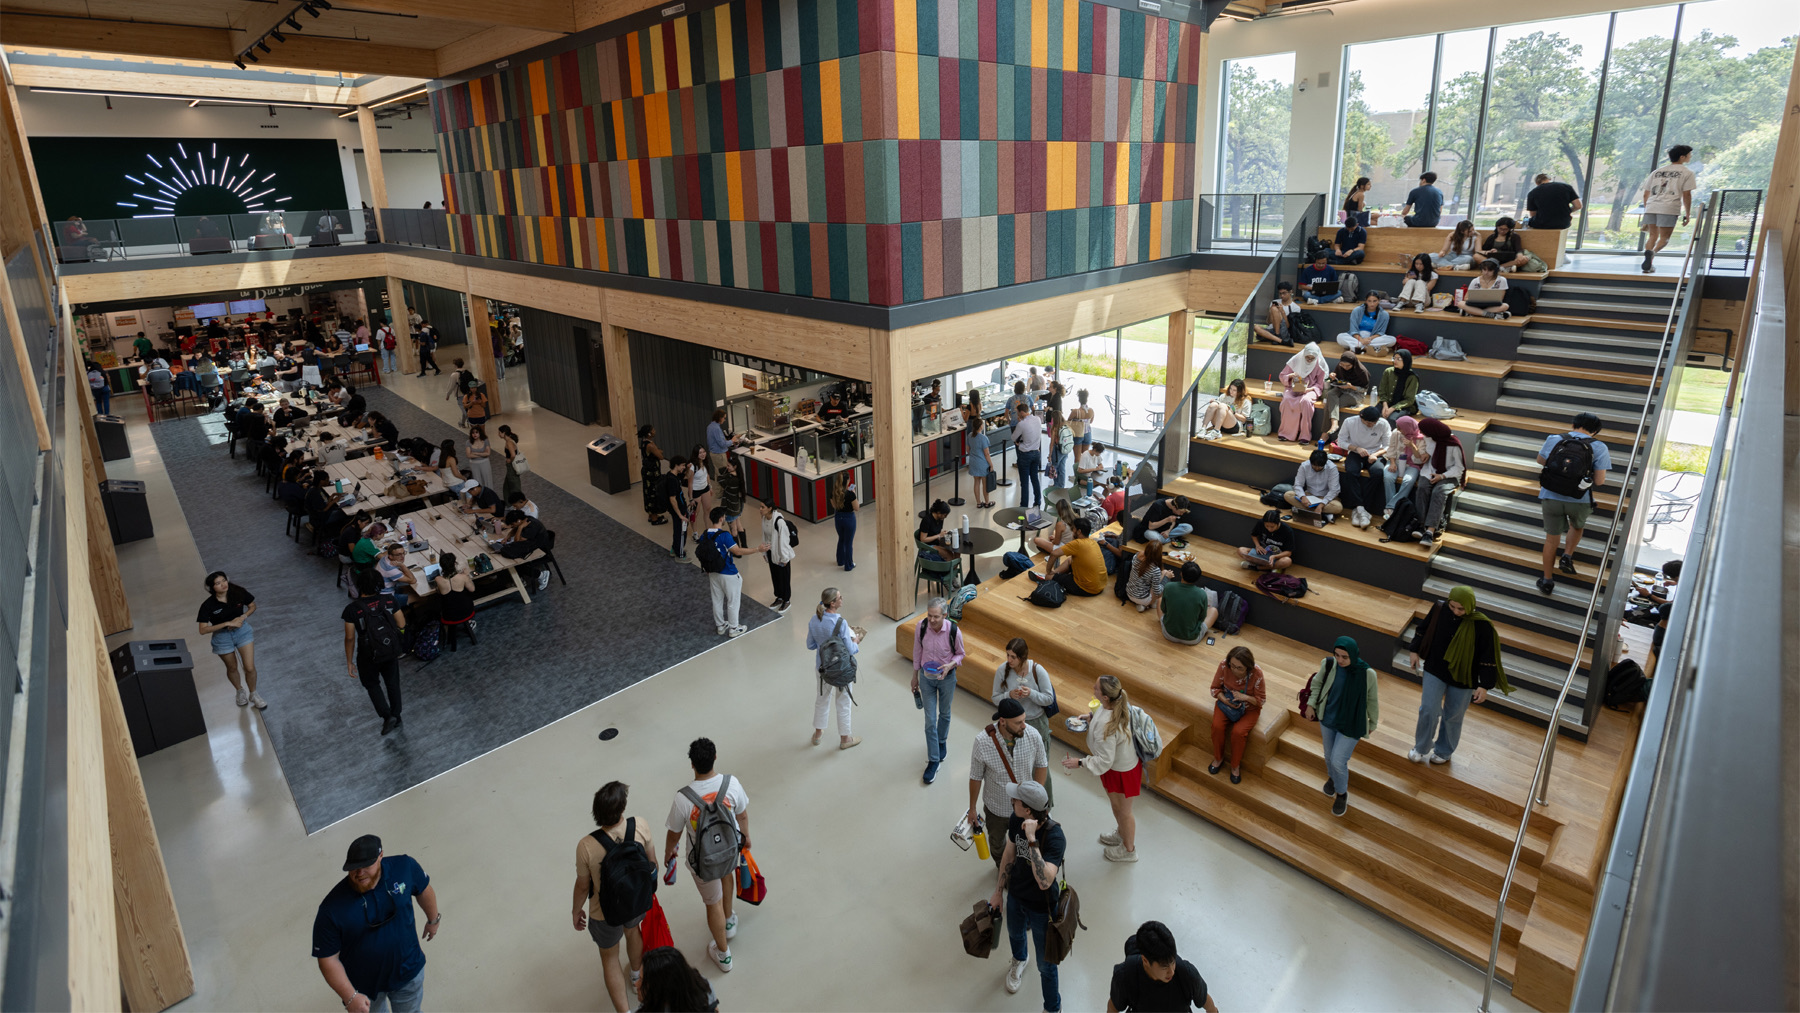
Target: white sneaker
(1015,975)
(731,927)
(720,630)
(736,631)
(243,697)
(1111,838)
(543,580)
(261,704)
(1415,756)
(721,959)
(1117,853)
(1437,760)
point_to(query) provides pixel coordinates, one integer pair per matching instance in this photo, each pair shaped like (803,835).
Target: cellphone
(1209,641)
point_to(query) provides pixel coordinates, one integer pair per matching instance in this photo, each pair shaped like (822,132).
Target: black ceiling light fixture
(240,63)
(278,36)
(263,44)
(295,25)
(250,54)
(322,3)
(310,9)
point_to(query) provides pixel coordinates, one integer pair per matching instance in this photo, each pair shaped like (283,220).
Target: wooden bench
(1388,243)
(1473,382)
(1469,425)
(1498,339)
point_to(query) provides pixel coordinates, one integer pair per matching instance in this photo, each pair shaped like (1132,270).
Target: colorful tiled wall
(881,151)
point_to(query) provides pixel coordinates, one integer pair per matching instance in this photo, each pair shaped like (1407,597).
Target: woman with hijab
(1398,392)
(1346,387)
(1405,456)
(1456,651)
(1308,364)
(1440,475)
(1297,400)
(1342,699)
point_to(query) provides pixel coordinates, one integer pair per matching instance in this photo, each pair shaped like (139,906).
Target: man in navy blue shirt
(1316,273)
(1425,204)
(726,584)
(363,934)
(1350,244)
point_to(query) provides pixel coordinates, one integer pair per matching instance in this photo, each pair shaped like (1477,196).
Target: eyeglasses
(369,916)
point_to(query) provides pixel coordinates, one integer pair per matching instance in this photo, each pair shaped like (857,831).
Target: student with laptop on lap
(1486,295)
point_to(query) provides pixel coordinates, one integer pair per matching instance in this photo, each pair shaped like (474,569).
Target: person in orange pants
(1238,697)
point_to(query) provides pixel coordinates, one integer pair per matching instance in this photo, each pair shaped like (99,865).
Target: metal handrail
(1540,779)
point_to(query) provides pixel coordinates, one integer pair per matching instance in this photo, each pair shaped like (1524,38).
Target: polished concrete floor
(866,890)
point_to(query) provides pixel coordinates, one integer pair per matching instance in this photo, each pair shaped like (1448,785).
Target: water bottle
(981,843)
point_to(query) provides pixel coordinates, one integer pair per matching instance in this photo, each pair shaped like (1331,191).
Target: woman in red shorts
(1113,756)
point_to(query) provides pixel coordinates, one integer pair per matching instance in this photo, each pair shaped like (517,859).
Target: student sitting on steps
(1271,546)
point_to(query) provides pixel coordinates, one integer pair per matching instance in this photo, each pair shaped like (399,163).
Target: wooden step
(1426,919)
(1581,373)
(1505,552)
(1247,503)
(1375,362)
(1426,317)
(1623,325)
(1527,488)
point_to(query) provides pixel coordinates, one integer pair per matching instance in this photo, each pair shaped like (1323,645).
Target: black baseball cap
(1009,708)
(363,853)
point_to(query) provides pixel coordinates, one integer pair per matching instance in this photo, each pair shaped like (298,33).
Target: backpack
(1571,462)
(425,648)
(1144,736)
(1314,247)
(1262,419)
(1519,301)
(954,632)
(963,596)
(1233,610)
(627,883)
(1280,585)
(707,551)
(793,533)
(1348,286)
(1065,918)
(1412,345)
(1122,578)
(379,635)
(1404,525)
(387,338)
(713,848)
(1016,563)
(1447,348)
(981,930)
(1276,497)
(837,663)
(1433,406)
(1306,327)
(1048,594)
(1626,685)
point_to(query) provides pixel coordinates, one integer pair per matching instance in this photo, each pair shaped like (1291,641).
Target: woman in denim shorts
(225,616)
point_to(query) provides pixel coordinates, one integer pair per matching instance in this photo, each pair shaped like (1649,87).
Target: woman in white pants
(1416,289)
(820,629)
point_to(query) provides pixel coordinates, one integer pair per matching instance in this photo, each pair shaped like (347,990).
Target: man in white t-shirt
(1667,193)
(684,815)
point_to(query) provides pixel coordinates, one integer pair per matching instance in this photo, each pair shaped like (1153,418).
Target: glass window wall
(1256,103)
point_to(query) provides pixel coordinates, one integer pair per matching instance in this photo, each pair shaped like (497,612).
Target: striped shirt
(1026,754)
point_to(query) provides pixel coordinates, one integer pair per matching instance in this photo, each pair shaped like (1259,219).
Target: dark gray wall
(674,384)
(560,354)
(441,307)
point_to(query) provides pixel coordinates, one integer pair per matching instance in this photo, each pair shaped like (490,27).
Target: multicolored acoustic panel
(885,151)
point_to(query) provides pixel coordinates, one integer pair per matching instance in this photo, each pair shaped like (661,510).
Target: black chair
(549,550)
(296,519)
(75,254)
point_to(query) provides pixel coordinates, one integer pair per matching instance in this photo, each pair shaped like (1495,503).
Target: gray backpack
(1262,419)
(713,848)
(1447,348)
(1348,286)
(837,663)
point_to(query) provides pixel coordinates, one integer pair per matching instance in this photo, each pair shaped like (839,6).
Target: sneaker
(736,631)
(931,770)
(1015,975)
(1246,564)
(1437,760)
(1425,540)
(720,630)
(261,704)
(1386,515)
(781,605)
(1111,839)
(543,580)
(731,927)
(1117,853)
(1340,804)
(1415,756)
(1546,585)
(1566,564)
(721,959)
(243,697)
(1329,789)
(388,724)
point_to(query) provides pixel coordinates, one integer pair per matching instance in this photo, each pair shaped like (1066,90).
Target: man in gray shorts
(609,814)
(1575,464)
(1668,193)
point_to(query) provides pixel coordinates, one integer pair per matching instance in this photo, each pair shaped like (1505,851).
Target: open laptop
(1324,289)
(1484,296)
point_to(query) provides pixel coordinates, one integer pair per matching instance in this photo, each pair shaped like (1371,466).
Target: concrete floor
(862,876)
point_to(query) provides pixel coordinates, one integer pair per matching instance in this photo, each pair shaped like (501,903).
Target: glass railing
(1256,223)
(101,239)
(1735,216)
(416,227)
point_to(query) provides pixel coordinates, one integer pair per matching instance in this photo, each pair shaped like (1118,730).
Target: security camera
(1301,86)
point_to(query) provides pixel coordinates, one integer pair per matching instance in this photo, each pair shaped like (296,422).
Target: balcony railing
(102,239)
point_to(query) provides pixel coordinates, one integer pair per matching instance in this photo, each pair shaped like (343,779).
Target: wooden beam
(480,356)
(223,277)
(589,13)
(621,396)
(18,177)
(1783,212)
(838,349)
(891,377)
(371,142)
(108,586)
(1181,355)
(489,46)
(406,356)
(138,38)
(543,15)
(34,404)
(121,82)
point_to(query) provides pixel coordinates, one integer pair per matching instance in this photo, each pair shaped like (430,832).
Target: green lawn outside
(1686,457)
(1701,390)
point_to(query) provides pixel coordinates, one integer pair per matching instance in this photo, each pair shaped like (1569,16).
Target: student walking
(364,936)
(1575,464)
(1002,750)
(372,646)
(1113,756)
(937,654)
(615,877)
(1154,977)
(1343,701)
(713,811)
(827,626)
(1024,682)
(1456,652)
(670,983)
(1668,192)
(778,535)
(718,552)
(1030,866)
(843,515)
(225,617)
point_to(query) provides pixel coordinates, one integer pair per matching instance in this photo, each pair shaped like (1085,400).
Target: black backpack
(1122,577)
(712,560)
(627,882)
(1314,247)
(1519,301)
(1049,594)
(381,638)
(1571,462)
(793,532)
(1404,525)
(1307,328)
(1276,497)
(1626,685)
(1233,610)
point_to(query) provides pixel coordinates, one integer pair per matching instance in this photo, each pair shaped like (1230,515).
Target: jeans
(499,367)
(102,400)
(1059,463)
(388,362)
(846,531)
(937,694)
(1421,221)
(1353,257)
(373,675)
(727,592)
(1441,710)
(1431,501)
(1398,482)
(1019,918)
(1175,532)
(677,532)
(408,998)
(1031,475)
(1338,748)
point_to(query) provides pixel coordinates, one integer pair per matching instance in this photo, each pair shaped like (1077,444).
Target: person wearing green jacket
(1398,392)
(1343,701)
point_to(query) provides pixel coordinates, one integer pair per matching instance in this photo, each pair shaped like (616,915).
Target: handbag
(1232,713)
(1053,708)
(751,888)
(1065,918)
(980,930)
(655,927)
(521,465)
(1307,690)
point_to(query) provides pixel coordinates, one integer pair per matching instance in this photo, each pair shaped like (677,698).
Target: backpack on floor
(1315,248)
(1626,685)
(1122,578)
(1412,345)
(1433,406)
(1015,564)
(837,663)
(1448,349)
(1306,328)
(1233,610)
(1534,263)
(1262,419)
(1048,594)
(1280,585)
(1348,285)
(426,647)
(1571,462)
(1144,736)
(713,848)
(1519,301)
(1404,525)
(963,596)
(1276,497)
(627,883)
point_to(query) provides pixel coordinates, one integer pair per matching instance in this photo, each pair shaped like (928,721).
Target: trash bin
(127,510)
(156,680)
(609,466)
(113,444)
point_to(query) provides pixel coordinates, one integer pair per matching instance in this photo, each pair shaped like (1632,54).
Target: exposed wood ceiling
(411,38)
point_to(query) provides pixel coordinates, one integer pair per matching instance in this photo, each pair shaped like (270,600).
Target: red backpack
(1413,345)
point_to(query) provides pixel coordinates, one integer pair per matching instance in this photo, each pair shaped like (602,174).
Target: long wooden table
(376,474)
(447,529)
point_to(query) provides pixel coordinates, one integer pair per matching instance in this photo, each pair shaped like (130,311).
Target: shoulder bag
(1051,709)
(1065,918)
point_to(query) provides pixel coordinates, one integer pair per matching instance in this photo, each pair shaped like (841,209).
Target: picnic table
(376,475)
(447,529)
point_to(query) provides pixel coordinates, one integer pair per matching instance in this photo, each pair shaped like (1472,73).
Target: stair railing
(1679,322)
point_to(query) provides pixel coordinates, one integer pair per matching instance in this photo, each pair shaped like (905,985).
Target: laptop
(1324,289)
(1484,296)
(432,570)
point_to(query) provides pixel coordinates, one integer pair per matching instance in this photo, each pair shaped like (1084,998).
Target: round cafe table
(977,541)
(1018,519)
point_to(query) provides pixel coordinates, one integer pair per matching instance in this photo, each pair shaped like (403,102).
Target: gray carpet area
(629,611)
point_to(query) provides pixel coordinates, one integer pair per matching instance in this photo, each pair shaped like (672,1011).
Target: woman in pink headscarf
(1400,464)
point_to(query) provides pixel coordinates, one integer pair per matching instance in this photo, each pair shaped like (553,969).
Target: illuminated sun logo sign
(202,183)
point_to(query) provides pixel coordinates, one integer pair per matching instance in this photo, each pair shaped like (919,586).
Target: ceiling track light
(310,9)
(322,3)
(263,44)
(250,54)
(295,25)
(278,36)
(240,63)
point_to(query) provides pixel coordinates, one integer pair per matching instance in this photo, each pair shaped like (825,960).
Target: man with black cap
(1006,752)
(1031,859)
(363,934)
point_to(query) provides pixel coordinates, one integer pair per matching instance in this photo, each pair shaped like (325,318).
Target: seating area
(1390,244)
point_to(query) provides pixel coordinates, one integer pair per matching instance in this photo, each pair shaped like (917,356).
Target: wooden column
(1783,212)
(890,373)
(398,311)
(371,142)
(103,558)
(621,396)
(481,353)
(1181,355)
